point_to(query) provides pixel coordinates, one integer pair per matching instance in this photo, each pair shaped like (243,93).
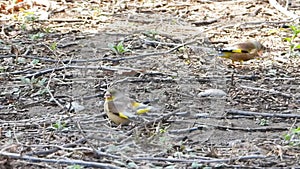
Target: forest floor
(210,113)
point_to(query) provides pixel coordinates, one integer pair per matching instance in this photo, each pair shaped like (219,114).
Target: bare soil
(46,65)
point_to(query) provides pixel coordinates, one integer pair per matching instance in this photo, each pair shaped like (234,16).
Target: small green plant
(75,166)
(196,165)
(34,82)
(132,165)
(53,46)
(293,137)
(263,122)
(35,61)
(37,36)
(291,40)
(161,131)
(2,69)
(118,49)
(39,84)
(59,125)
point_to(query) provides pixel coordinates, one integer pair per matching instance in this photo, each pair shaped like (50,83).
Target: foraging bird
(242,51)
(121,109)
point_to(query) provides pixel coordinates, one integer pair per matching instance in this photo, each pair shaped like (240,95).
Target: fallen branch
(257,129)
(220,127)
(241,158)
(66,61)
(204,22)
(59,161)
(272,91)
(249,113)
(106,68)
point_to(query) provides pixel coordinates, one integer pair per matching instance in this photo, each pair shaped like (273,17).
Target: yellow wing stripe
(232,51)
(123,115)
(135,104)
(142,111)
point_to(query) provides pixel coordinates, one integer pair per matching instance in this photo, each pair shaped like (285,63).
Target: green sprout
(39,84)
(35,61)
(53,46)
(196,165)
(293,137)
(118,49)
(162,130)
(59,125)
(263,122)
(291,40)
(76,166)
(37,36)
(2,69)
(132,165)
(34,82)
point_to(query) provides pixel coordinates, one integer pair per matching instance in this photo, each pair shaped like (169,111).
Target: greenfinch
(242,51)
(121,109)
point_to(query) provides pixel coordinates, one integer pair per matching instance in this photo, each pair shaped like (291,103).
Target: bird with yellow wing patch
(121,109)
(242,51)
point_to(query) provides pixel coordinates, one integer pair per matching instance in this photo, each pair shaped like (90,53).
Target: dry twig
(59,161)
(249,113)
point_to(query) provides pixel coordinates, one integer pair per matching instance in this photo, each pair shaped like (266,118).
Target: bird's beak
(107,95)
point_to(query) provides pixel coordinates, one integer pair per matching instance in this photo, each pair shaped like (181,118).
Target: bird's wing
(128,106)
(122,107)
(232,50)
(120,110)
(249,46)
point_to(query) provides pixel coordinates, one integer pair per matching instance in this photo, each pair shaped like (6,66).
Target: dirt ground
(210,113)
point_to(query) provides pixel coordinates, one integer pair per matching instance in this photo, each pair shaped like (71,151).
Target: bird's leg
(119,126)
(232,65)
(241,65)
